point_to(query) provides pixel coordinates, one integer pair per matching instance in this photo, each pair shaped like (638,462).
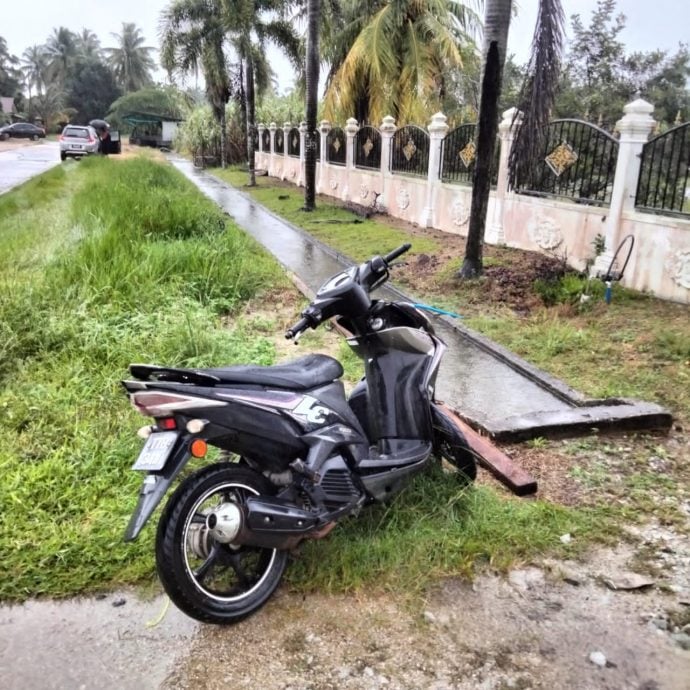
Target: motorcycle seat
(306,372)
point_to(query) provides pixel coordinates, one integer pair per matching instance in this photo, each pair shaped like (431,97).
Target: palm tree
(312,94)
(35,68)
(251,24)
(50,105)
(131,60)
(61,49)
(193,37)
(391,57)
(536,100)
(88,45)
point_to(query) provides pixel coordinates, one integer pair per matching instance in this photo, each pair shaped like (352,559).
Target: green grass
(436,528)
(330,222)
(120,261)
(155,269)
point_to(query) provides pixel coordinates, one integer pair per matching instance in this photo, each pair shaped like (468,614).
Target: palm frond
(539,89)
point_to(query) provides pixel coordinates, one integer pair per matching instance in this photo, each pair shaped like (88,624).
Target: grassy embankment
(111,262)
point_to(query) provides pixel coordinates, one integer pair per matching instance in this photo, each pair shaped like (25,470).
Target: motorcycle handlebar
(397,252)
(297,328)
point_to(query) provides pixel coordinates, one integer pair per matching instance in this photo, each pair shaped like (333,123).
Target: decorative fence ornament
(336,145)
(561,158)
(409,149)
(546,233)
(585,176)
(678,267)
(468,154)
(368,148)
(460,213)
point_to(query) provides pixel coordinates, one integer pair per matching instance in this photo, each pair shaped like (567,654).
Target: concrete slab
(490,387)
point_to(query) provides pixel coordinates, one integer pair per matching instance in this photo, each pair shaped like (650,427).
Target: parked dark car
(22,130)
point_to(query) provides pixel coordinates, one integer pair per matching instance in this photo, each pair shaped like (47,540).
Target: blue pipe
(436,310)
(609,292)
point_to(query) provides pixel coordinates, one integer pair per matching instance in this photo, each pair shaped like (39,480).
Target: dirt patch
(537,628)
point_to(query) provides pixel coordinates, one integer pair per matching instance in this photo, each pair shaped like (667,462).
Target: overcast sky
(650,23)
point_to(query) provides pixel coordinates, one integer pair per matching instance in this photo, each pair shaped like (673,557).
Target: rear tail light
(160,404)
(167,423)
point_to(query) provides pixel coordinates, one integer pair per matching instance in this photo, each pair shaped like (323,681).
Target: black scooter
(305,456)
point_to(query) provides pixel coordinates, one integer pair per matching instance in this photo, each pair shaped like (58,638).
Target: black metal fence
(579,162)
(255,139)
(410,151)
(663,185)
(266,141)
(337,146)
(279,141)
(368,148)
(458,154)
(293,142)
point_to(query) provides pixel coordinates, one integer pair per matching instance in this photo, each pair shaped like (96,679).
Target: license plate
(76,147)
(156,451)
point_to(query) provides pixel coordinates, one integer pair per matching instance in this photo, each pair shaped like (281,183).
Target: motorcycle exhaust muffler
(262,521)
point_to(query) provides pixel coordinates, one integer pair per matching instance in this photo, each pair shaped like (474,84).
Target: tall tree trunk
(223,139)
(243,107)
(312,96)
(251,116)
(496,24)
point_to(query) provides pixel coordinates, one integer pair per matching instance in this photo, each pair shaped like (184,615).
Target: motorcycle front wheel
(211,581)
(450,445)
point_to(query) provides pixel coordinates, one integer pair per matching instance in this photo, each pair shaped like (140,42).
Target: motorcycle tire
(206,579)
(450,445)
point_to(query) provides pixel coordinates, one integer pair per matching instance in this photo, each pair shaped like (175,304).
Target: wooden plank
(494,460)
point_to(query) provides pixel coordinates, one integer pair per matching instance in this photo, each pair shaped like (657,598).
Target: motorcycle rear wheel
(208,580)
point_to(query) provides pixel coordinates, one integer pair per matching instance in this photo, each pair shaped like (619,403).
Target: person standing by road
(104,145)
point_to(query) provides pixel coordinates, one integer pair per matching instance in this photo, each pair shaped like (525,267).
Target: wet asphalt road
(20,163)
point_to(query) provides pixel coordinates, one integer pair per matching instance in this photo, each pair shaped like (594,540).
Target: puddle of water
(89,643)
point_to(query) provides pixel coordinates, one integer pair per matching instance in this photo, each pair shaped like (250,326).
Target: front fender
(154,487)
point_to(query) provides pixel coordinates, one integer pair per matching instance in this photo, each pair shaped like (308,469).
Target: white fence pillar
(287,126)
(507,128)
(271,158)
(351,128)
(387,130)
(324,129)
(438,128)
(634,127)
(302,152)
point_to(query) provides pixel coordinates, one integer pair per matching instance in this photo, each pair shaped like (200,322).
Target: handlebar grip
(397,252)
(300,326)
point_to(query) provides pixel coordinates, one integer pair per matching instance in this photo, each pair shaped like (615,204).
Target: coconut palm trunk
(496,25)
(312,95)
(535,101)
(251,117)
